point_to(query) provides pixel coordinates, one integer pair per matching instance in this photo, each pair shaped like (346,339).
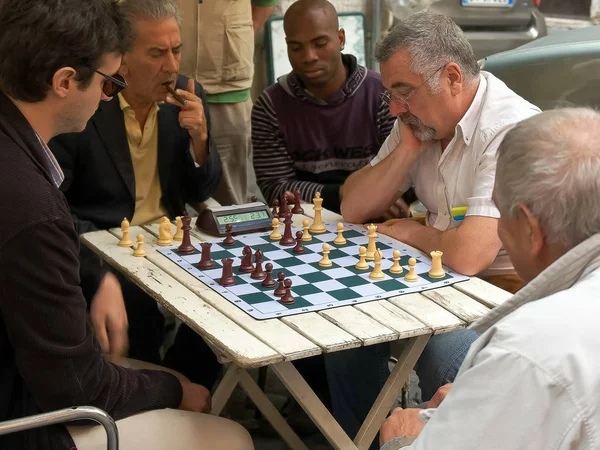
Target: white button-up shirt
(463,174)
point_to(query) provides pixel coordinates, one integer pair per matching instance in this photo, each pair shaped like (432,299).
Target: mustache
(409,119)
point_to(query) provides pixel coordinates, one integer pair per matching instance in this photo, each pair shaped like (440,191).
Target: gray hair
(551,164)
(432,40)
(150,10)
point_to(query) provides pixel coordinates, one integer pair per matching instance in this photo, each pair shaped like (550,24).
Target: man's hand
(109,318)
(402,422)
(400,229)
(409,142)
(191,116)
(195,398)
(398,210)
(439,396)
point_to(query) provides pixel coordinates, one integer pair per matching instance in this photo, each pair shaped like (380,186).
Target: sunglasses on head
(112,84)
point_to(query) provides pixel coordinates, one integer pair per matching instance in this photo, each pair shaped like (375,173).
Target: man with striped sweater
(322,121)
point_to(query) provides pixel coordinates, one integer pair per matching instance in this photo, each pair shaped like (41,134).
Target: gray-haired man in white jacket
(532,380)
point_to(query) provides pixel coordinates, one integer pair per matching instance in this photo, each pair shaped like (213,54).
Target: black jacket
(49,358)
(99,179)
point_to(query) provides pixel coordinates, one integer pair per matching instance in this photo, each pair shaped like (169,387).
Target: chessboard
(314,288)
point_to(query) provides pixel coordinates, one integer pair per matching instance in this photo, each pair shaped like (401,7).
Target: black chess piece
(227,278)
(287,239)
(186,247)
(268,281)
(297,199)
(246,264)
(299,248)
(206,262)
(287,299)
(275,210)
(258,273)
(280,291)
(283,206)
(253,198)
(229,240)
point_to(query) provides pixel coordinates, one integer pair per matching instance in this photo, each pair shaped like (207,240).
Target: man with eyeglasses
(57,64)
(142,156)
(451,120)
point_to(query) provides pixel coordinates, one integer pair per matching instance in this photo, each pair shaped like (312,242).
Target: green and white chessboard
(314,288)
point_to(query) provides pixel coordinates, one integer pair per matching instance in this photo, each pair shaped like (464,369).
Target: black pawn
(227,278)
(258,273)
(297,199)
(287,299)
(246,264)
(275,210)
(228,238)
(206,262)
(268,281)
(299,248)
(280,291)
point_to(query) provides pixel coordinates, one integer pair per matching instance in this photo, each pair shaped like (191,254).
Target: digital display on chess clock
(243,217)
(246,218)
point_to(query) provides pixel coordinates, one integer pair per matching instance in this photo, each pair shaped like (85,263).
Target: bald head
(303,11)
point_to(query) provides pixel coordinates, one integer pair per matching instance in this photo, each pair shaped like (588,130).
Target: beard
(421,131)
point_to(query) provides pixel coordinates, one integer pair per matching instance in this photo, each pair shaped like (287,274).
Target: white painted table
(243,342)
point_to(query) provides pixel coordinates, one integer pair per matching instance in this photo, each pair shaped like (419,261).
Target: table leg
(313,406)
(225,389)
(380,409)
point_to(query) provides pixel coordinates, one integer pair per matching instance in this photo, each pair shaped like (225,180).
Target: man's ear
(454,76)
(533,231)
(123,68)
(342,37)
(64,81)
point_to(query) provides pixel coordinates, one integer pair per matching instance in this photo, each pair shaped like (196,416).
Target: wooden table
(243,342)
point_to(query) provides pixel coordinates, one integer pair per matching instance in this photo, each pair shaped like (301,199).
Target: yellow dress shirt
(143,146)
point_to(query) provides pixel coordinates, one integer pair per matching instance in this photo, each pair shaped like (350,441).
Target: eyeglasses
(388,97)
(112,84)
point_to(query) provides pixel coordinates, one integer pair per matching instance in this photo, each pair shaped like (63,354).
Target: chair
(66,415)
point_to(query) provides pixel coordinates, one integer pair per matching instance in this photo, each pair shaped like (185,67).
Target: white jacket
(532,380)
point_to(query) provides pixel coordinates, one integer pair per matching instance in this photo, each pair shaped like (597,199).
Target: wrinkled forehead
(157,33)
(396,72)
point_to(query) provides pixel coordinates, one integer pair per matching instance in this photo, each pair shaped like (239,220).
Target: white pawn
(396,267)
(362,263)
(437,271)
(340,239)
(125,241)
(325,261)
(371,247)
(139,251)
(165,236)
(275,235)
(411,275)
(178,230)
(305,233)
(377,273)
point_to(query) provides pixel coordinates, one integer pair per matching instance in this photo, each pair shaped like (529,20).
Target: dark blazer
(99,179)
(49,358)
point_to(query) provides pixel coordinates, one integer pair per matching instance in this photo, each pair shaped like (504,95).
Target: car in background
(562,69)
(491,26)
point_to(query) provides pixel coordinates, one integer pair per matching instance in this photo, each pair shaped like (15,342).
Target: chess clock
(246,218)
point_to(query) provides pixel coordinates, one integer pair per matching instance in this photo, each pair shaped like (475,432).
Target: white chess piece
(371,247)
(139,250)
(317,225)
(178,230)
(396,267)
(275,234)
(437,271)
(362,263)
(340,239)
(165,236)
(377,273)
(411,275)
(125,241)
(325,261)
(306,237)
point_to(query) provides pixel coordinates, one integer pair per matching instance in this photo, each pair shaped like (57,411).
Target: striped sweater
(302,142)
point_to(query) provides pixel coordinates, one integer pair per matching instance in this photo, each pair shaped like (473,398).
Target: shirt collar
(125,106)
(469,121)
(55,171)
